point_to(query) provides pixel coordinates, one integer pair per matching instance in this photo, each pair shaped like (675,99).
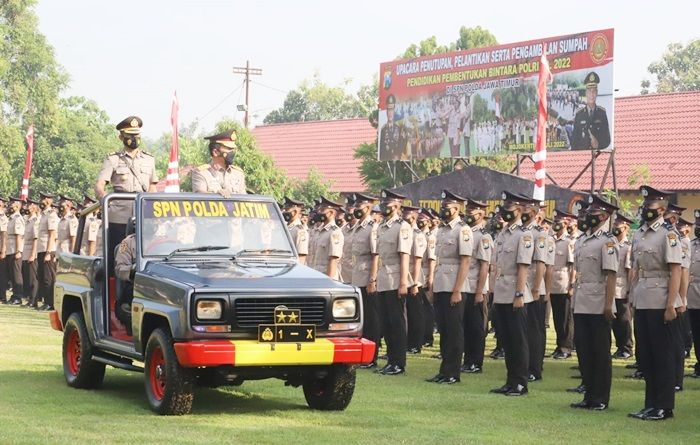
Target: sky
(131,56)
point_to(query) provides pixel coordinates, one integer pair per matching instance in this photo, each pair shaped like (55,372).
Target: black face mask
(42,206)
(649,214)
(697,232)
(24,212)
(507,215)
(557,227)
(348,217)
(469,219)
(358,213)
(387,211)
(616,231)
(287,216)
(421,224)
(339,222)
(525,217)
(132,142)
(445,213)
(570,229)
(321,218)
(498,226)
(229,157)
(668,221)
(592,220)
(582,225)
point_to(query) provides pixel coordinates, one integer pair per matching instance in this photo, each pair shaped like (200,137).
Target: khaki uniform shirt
(208,179)
(126,257)
(31,233)
(420,246)
(622,282)
(514,246)
(483,249)
(364,242)
(685,252)
(127,175)
(346,260)
(15,226)
(394,237)
(563,259)
(67,229)
(454,240)
(430,253)
(48,221)
(654,247)
(329,244)
(694,272)
(596,254)
(89,233)
(300,236)
(540,254)
(3,231)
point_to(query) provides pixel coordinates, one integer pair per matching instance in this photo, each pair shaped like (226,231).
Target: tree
(678,69)
(477,37)
(311,188)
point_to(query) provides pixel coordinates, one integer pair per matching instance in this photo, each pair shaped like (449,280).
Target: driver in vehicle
(124,269)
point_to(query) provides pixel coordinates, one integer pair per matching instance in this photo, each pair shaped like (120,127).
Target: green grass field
(36,406)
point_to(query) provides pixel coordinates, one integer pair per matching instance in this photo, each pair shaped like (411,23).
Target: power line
(221,102)
(269,87)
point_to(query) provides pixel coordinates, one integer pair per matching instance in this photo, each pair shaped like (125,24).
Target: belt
(653,274)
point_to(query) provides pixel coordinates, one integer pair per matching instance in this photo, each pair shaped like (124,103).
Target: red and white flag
(540,155)
(29,137)
(172,180)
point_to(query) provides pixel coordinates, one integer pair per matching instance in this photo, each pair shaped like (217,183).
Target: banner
(484,102)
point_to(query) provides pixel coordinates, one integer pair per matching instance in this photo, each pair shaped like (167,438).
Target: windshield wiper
(194,249)
(261,252)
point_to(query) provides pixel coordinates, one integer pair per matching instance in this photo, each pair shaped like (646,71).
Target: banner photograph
(483,101)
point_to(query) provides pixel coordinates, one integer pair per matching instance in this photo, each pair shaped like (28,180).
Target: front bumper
(324,351)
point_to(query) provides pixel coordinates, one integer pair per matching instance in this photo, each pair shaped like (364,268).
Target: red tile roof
(661,131)
(327,145)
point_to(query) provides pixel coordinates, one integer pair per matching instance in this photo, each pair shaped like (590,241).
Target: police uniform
(46,270)
(124,263)
(363,244)
(475,314)
(694,293)
(596,261)
(346,261)
(589,122)
(4,277)
(622,324)
(225,180)
(559,294)
(88,234)
(328,245)
(514,248)
(29,257)
(537,308)
(390,135)
(655,247)
(66,233)
(298,231)
(394,239)
(428,266)
(414,303)
(15,245)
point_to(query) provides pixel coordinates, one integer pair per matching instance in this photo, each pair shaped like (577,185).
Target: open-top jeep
(218,298)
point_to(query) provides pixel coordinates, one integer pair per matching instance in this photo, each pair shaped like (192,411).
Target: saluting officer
(475,306)
(514,252)
(596,262)
(622,324)
(694,293)
(329,243)
(656,265)
(414,304)
(455,245)
(390,272)
(591,129)
(4,278)
(129,171)
(221,175)
(561,290)
(300,234)
(348,229)
(363,245)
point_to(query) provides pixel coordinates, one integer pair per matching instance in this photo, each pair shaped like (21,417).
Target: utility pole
(247,71)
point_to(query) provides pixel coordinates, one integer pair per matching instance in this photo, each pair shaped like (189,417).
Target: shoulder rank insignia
(405,232)
(672,239)
(335,237)
(465,234)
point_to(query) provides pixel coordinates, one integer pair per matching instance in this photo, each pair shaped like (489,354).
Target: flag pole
(172,181)
(29,138)
(540,156)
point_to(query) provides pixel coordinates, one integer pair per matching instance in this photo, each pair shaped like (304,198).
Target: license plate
(288,333)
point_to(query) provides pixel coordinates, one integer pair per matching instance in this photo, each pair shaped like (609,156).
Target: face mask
(322,218)
(229,157)
(421,224)
(498,226)
(592,220)
(617,231)
(508,215)
(570,230)
(287,216)
(42,206)
(649,214)
(668,221)
(131,142)
(556,227)
(469,219)
(348,217)
(387,211)
(582,225)
(445,213)
(525,217)
(339,222)
(697,232)
(358,213)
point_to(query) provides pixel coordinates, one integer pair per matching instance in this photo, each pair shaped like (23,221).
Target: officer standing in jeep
(220,175)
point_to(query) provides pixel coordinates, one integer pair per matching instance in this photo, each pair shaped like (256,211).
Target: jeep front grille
(250,312)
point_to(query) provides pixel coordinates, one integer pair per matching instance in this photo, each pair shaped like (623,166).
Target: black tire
(169,386)
(333,392)
(78,367)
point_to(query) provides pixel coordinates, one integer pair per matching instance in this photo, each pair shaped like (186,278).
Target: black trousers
(656,356)
(428,318)
(536,335)
(370,328)
(4,279)
(686,332)
(393,309)
(563,322)
(694,319)
(451,318)
(46,274)
(494,321)
(512,330)
(474,331)
(593,350)
(116,233)
(416,320)
(679,343)
(622,326)
(14,268)
(29,278)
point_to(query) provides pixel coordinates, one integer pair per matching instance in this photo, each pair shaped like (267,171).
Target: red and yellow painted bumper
(324,351)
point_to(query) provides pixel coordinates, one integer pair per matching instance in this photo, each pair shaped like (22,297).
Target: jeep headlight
(209,309)
(344,308)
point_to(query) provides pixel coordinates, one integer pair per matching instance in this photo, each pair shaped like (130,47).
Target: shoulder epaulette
(580,109)
(203,167)
(539,228)
(602,108)
(146,153)
(116,153)
(668,226)
(235,167)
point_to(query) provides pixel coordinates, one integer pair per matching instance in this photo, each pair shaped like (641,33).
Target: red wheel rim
(73,352)
(156,373)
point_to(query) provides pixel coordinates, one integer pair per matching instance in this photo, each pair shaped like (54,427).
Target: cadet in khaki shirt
(390,273)
(300,234)
(622,324)
(475,305)
(514,251)
(348,228)
(4,278)
(88,233)
(596,261)
(656,266)
(329,244)
(560,290)
(363,244)
(46,265)
(414,305)
(15,246)
(342,224)
(67,228)
(129,171)
(694,292)
(454,246)
(425,224)
(220,175)
(29,255)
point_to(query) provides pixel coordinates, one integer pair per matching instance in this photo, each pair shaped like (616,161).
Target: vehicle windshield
(212,227)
